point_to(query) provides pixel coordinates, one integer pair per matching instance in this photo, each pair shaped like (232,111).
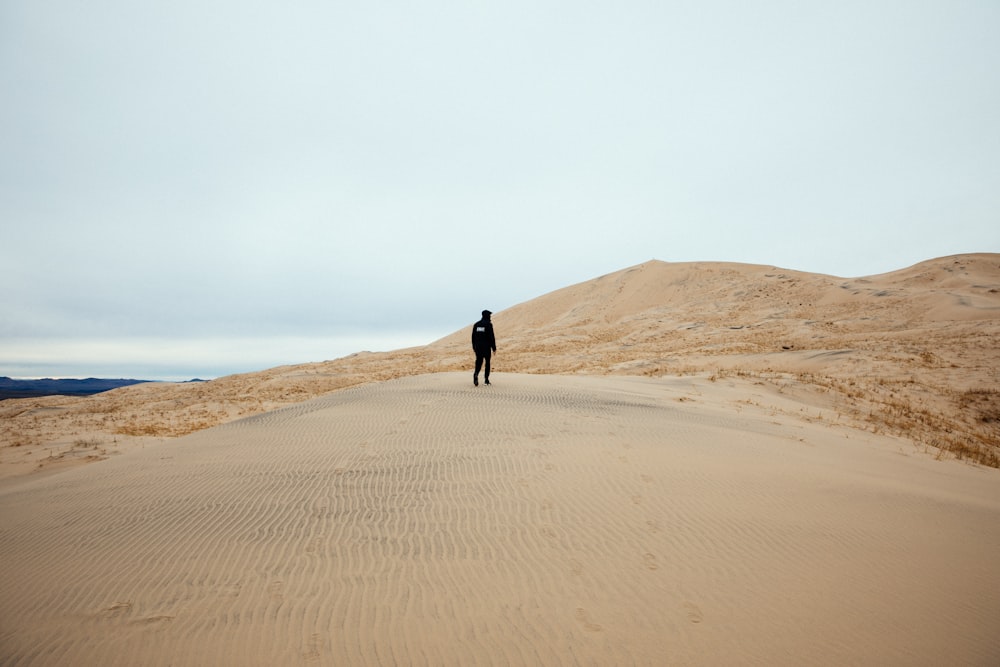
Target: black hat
(486,313)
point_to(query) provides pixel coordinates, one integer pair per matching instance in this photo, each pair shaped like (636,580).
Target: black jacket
(482,336)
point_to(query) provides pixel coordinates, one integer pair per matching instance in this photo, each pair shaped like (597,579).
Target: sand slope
(546,520)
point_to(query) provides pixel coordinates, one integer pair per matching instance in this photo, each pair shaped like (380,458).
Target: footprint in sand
(312,653)
(693,612)
(117,609)
(275,588)
(649,560)
(584,619)
(152,620)
(575,566)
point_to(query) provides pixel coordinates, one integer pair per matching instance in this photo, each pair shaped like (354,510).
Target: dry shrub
(982,404)
(142,429)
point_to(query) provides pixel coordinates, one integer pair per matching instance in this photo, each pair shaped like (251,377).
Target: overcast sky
(201,187)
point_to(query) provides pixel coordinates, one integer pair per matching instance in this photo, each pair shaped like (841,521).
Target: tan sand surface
(549,519)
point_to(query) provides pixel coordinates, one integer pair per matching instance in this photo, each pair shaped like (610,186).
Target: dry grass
(962,424)
(982,404)
(965,424)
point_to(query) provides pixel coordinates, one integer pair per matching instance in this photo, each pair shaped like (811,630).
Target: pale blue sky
(198,188)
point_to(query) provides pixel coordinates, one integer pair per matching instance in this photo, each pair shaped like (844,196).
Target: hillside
(914,352)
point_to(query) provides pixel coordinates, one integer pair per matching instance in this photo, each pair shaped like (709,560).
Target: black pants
(483,356)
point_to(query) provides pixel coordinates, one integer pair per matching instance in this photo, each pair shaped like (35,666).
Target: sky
(202,187)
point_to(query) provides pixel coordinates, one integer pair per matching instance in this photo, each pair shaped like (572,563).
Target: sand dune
(914,353)
(546,520)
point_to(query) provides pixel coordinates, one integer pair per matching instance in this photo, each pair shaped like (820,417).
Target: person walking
(483,343)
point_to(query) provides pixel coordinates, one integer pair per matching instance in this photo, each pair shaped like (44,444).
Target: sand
(678,464)
(549,519)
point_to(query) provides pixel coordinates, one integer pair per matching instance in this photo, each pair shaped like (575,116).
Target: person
(483,343)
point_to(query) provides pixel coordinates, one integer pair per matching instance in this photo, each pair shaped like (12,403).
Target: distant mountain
(10,388)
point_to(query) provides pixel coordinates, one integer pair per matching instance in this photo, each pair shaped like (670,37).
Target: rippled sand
(545,520)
